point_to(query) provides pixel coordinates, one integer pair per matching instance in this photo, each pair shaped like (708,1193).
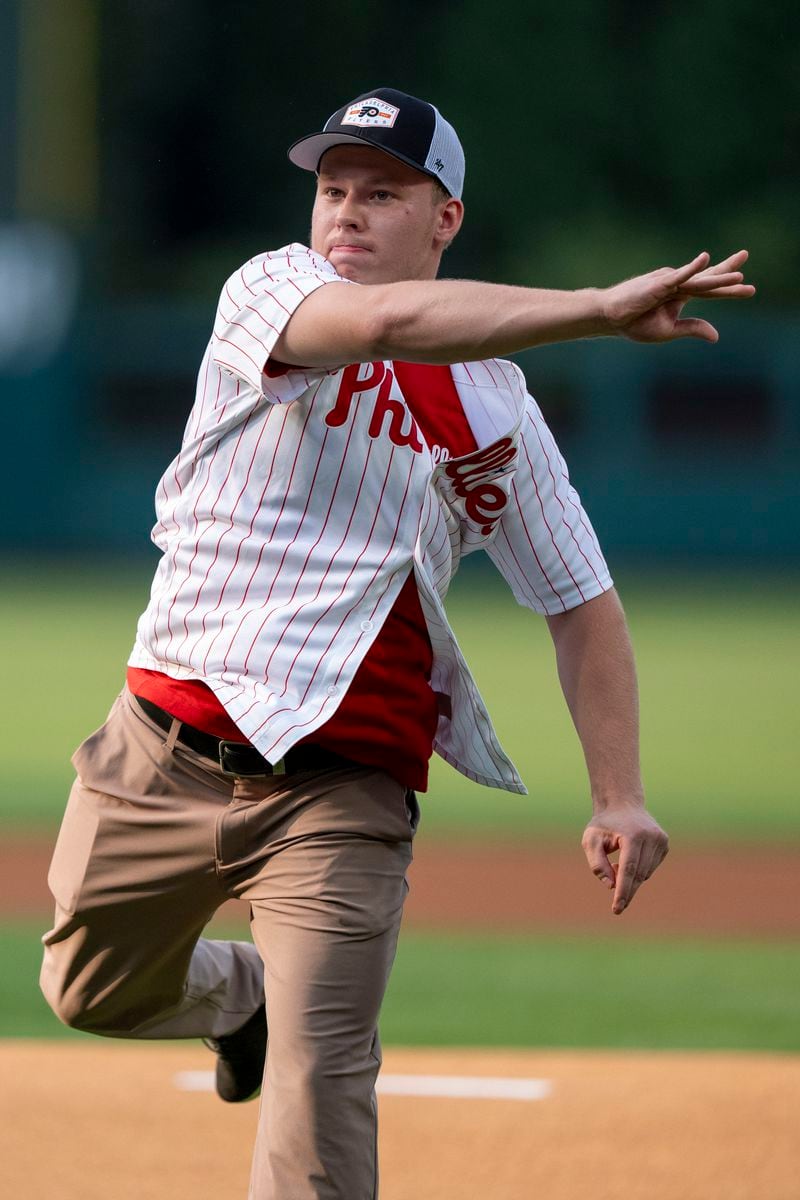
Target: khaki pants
(153,840)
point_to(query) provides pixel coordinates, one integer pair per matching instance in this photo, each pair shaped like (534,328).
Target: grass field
(718,663)
(457,990)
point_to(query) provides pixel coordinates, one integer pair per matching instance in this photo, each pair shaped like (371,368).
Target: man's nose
(348,214)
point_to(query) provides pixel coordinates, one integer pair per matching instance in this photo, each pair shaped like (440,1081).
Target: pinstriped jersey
(298,506)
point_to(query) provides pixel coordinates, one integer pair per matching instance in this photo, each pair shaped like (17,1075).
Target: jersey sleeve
(255,306)
(545,546)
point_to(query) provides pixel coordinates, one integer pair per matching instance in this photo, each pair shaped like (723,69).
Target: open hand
(648,308)
(642,845)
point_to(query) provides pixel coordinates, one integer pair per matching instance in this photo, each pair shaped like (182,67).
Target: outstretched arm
(598,678)
(450,320)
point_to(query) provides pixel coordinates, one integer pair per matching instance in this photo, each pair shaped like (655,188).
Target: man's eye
(381,195)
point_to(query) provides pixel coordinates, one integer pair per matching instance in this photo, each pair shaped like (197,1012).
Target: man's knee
(108,1011)
(69,1005)
(74,1007)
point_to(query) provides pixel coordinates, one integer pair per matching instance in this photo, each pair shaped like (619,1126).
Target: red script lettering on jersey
(382,377)
(484,501)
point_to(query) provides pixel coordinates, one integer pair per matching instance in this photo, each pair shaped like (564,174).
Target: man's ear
(451,214)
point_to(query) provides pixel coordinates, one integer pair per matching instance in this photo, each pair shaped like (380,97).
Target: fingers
(736,291)
(642,846)
(706,282)
(637,861)
(652,856)
(628,875)
(698,277)
(695,327)
(731,263)
(596,847)
(681,274)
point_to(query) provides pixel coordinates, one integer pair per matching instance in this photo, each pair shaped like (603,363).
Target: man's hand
(642,845)
(648,308)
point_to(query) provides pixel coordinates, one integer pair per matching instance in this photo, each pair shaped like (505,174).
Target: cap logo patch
(371,112)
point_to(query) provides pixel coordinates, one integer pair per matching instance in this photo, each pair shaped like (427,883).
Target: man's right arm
(448,321)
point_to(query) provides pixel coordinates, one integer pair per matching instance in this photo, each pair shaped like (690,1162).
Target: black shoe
(240,1059)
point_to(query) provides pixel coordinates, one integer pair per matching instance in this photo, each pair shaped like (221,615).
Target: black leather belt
(240,758)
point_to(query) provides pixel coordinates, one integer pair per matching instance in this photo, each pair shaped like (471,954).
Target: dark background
(147,160)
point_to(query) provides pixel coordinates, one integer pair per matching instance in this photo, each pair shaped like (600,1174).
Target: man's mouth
(348,247)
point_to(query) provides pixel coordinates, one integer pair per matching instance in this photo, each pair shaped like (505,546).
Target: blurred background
(146,159)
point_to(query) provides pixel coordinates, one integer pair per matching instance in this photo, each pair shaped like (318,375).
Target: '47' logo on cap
(371,112)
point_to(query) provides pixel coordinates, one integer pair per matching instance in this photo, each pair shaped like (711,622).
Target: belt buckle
(278,768)
(221,751)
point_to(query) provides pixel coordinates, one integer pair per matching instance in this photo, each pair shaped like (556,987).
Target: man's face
(377,220)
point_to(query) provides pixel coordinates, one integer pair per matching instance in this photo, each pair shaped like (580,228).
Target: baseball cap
(401,125)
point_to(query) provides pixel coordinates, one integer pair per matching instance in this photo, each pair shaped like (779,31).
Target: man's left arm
(598,677)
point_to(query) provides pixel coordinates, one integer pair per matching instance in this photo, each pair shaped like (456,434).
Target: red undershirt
(388,717)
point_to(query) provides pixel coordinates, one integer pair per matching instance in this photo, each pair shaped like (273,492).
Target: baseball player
(354,433)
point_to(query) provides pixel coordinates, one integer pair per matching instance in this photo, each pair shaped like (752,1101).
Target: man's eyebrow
(369,180)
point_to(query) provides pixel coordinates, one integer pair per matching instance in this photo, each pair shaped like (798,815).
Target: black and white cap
(401,125)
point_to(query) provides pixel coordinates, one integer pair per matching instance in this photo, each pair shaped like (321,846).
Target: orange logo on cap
(371,112)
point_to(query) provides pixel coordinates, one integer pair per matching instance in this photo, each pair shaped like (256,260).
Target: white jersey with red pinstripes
(298,505)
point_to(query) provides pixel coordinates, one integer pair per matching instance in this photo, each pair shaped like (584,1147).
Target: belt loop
(172,736)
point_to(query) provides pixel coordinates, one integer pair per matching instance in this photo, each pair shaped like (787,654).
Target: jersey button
(333,690)
(366,626)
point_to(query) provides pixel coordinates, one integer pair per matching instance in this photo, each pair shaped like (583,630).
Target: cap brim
(308,151)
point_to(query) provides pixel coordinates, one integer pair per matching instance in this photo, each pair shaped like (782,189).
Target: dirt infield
(733,892)
(105,1121)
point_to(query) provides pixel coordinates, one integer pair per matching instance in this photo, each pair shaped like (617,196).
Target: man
(353,435)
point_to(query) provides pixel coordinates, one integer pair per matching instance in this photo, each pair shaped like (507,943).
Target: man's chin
(356,272)
(349,270)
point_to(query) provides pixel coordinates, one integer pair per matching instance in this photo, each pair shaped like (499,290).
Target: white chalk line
(467,1087)
(459,1087)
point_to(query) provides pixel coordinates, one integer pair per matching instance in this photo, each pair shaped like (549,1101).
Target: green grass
(718,665)
(580,991)
(718,662)
(454,990)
